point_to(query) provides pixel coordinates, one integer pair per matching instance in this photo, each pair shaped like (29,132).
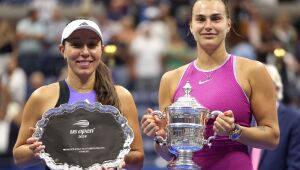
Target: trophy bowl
(186,123)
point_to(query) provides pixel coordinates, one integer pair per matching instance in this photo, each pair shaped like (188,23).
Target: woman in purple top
(237,86)
(88,79)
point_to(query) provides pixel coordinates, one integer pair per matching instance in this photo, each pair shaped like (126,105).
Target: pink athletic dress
(220,92)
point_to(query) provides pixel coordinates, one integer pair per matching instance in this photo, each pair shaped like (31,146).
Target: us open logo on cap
(83,24)
(82,123)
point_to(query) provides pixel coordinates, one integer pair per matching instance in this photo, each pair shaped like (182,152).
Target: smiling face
(210,23)
(83,50)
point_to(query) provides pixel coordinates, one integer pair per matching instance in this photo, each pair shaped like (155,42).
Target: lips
(208,34)
(84,63)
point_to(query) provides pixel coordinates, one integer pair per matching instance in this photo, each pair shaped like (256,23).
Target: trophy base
(183,166)
(184,162)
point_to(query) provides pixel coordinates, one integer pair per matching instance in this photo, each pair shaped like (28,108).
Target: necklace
(208,74)
(208,77)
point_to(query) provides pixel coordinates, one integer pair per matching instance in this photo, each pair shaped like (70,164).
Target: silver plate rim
(96,106)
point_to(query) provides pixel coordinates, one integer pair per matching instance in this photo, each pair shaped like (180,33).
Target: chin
(209,46)
(84,73)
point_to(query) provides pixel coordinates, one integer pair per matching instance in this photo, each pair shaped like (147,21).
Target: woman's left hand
(224,123)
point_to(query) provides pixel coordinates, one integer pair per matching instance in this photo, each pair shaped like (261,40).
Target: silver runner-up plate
(83,136)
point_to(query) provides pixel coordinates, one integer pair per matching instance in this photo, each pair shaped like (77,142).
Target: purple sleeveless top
(218,89)
(75,96)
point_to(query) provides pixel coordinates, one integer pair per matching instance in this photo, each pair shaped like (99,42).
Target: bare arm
(165,100)
(23,155)
(263,105)
(134,160)
(26,148)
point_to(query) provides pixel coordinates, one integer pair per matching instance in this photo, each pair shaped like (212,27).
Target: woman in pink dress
(237,86)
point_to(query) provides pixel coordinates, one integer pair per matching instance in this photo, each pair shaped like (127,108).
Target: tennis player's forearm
(263,137)
(134,160)
(24,157)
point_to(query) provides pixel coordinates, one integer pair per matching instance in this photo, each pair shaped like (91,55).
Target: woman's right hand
(152,125)
(34,144)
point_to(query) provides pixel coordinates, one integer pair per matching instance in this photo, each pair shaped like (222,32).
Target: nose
(208,25)
(85,51)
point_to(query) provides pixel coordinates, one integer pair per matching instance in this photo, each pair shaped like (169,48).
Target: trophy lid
(187,100)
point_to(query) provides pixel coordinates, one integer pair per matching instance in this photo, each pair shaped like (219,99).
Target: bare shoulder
(173,76)
(252,74)
(46,92)
(168,85)
(250,66)
(122,92)
(43,98)
(127,104)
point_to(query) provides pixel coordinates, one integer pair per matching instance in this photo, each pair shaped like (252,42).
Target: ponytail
(104,87)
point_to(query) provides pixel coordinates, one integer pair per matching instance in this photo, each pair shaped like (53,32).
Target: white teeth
(84,62)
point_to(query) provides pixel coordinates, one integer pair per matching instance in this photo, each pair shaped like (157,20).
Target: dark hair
(104,87)
(224,2)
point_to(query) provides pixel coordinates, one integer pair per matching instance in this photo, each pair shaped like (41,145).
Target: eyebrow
(213,15)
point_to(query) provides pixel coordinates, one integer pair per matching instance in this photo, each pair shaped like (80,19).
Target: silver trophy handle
(159,113)
(207,141)
(162,141)
(212,114)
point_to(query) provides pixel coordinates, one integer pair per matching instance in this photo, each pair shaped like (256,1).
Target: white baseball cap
(80,24)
